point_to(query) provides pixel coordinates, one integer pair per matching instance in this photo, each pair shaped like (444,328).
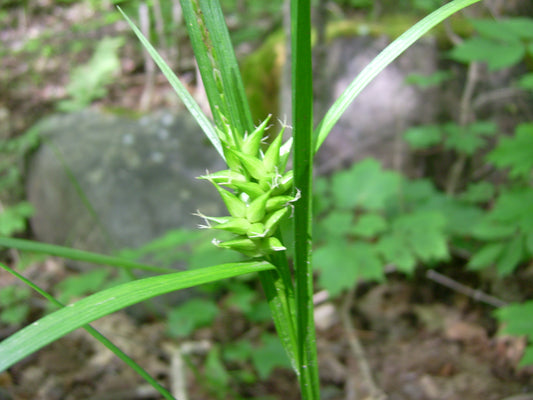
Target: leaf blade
(389,54)
(55,325)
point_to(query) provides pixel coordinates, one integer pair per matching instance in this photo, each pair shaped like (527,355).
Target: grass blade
(98,336)
(54,326)
(232,86)
(378,64)
(79,255)
(178,87)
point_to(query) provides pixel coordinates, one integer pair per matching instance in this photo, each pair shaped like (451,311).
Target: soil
(420,343)
(417,345)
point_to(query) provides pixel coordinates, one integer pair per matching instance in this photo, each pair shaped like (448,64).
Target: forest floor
(421,341)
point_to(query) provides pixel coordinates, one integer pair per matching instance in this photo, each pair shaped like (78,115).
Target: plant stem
(302,105)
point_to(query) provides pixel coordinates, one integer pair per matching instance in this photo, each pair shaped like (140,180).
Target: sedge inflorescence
(255,189)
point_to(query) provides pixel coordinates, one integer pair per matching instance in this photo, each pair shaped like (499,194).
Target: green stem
(302,101)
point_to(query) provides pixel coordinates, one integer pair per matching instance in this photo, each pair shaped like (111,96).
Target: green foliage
(462,139)
(526,82)
(373,218)
(507,230)
(427,81)
(88,82)
(257,193)
(194,313)
(364,186)
(501,43)
(269,355)
(517,321)
(14,215)
(13,218)
(515,152)
(82,284)
(14,306)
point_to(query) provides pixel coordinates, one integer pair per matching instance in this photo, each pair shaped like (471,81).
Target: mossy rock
(261,73)
(262,70)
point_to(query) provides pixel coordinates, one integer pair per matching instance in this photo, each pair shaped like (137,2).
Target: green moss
(261,73)
(262,69)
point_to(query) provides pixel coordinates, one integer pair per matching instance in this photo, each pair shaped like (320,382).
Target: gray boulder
(102,182)
(373,123)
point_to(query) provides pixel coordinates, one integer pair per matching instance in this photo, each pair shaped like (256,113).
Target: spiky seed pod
(272,221)
(252,189)
(283,184)
(251,164)
(271,244)
(252,142)
(239,226)
(224,177)
(240,244)
(277,202)
(271,158)
(235,206)
(256,211)
(256,230)
(258,196)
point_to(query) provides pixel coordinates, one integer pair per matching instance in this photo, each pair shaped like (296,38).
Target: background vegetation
(465,208)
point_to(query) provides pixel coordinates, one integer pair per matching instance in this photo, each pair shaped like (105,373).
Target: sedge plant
(258,192)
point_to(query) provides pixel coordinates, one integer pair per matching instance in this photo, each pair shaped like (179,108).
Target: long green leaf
(178,87)
(232,87)
(79,255)
(98,336)
(378,64)
(302,104)
(56,325)
(204,55)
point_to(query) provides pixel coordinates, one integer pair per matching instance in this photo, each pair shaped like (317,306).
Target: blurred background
(424,202)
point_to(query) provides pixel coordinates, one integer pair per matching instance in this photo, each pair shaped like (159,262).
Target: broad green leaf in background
(517,321)
(13,218)
(185,318)
(468,139)
(510,29)
(335,225)
(369,225)
(529,243)
(479,192)
(514,208)
(486,256)
(88,82)
(82,284)
(497,55)
(515,152)
(269,355)
(14,305)
(423,137)
(215,372)
(424,233)
(394,251)
(486,229)
(427,81)
(526,80)
(341,264)
(511,256)
(365,186)
(56,325)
